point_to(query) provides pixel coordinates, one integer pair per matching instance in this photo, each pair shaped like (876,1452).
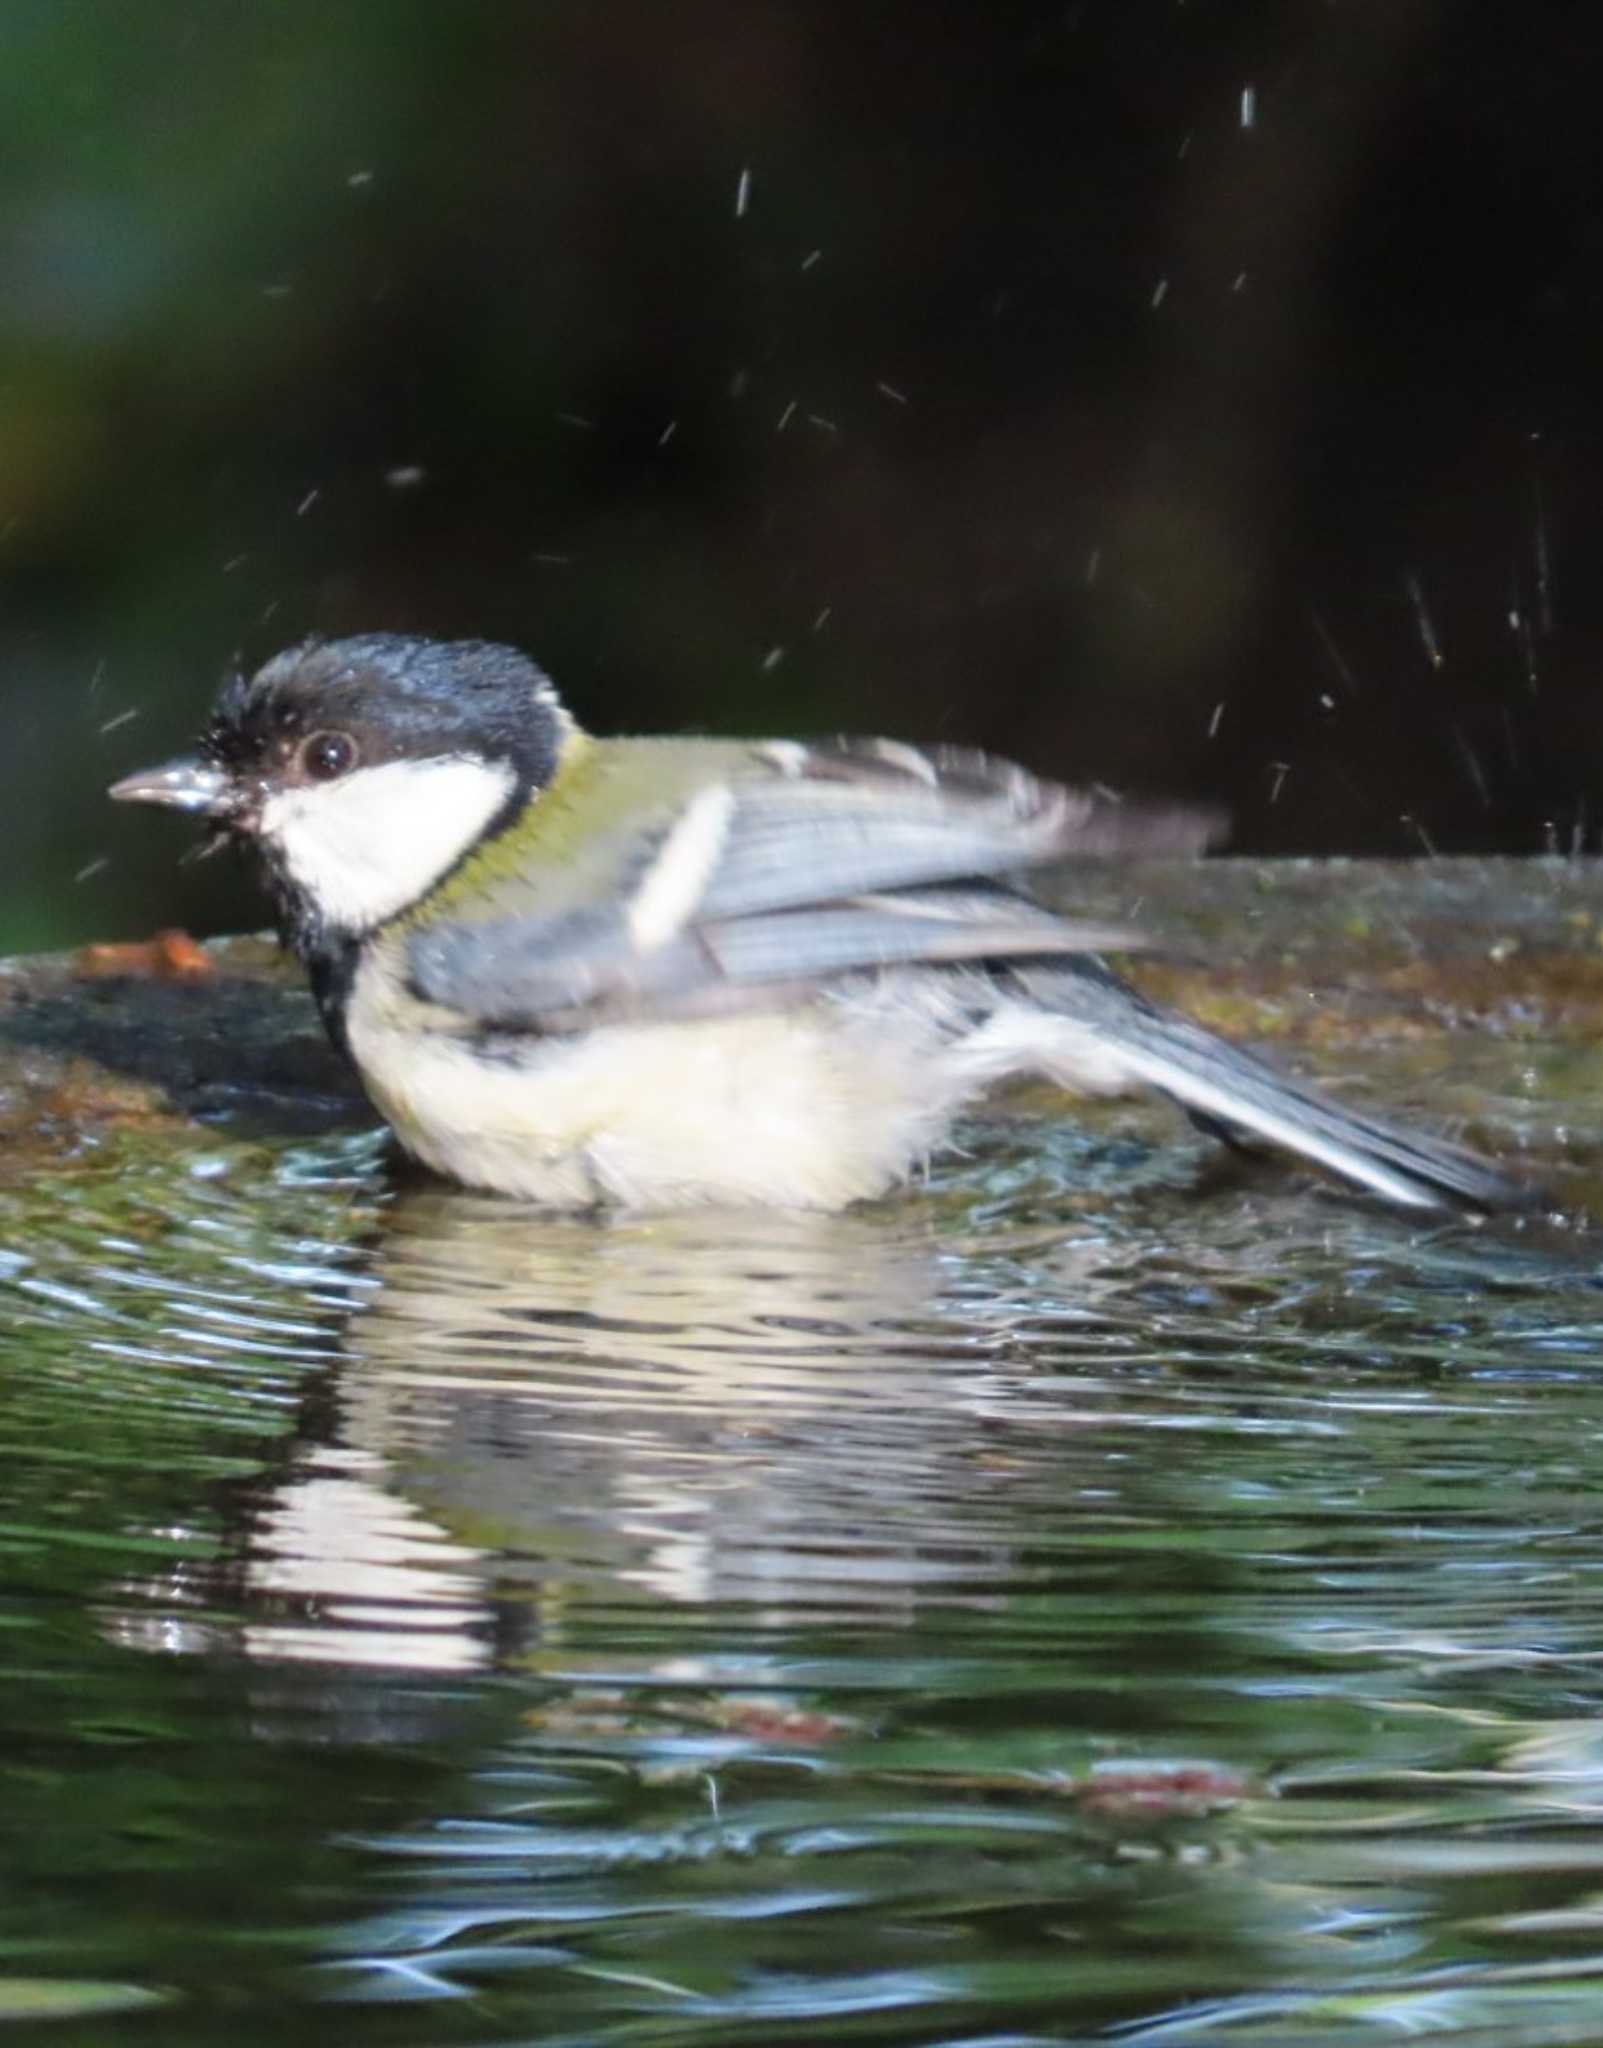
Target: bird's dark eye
(327,755)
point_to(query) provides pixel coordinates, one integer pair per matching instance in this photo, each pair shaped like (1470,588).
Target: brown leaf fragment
(171,955)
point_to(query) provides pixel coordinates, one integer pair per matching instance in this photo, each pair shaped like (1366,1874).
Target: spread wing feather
(814,862)
(865,817)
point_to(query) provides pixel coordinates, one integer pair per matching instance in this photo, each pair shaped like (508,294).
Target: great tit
(657,972)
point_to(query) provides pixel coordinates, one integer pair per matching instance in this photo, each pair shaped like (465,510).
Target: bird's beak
(186,784)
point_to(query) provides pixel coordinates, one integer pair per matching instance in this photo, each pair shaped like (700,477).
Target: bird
(652,973)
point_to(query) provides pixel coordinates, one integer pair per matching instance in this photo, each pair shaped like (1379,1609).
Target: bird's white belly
(813,1107)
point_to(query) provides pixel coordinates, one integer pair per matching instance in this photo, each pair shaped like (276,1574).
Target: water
(1104,1595)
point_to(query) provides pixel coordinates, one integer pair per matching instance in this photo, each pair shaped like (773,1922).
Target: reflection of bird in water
(797,1413)
(540,1425)
(851,1416)
(533,1412)
(706,1405)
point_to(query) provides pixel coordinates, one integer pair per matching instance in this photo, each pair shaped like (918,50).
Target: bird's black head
(392,698)
(361,771)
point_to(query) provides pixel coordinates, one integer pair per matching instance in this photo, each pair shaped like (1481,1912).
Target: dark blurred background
(1202,397)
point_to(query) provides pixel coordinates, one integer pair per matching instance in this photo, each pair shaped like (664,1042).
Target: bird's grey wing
(513,976)
(835,820)
(674,831)
(808,861)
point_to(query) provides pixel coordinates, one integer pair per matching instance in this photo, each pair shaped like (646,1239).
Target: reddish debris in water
(1162,1792)
(750,1717)
(765,1720)
(169,956)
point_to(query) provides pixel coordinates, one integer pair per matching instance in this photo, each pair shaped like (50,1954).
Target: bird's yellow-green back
(582,838)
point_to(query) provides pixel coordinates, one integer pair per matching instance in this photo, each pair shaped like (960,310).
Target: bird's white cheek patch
(365,847)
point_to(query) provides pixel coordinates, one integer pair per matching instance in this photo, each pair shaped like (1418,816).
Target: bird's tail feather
(1223,1084)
